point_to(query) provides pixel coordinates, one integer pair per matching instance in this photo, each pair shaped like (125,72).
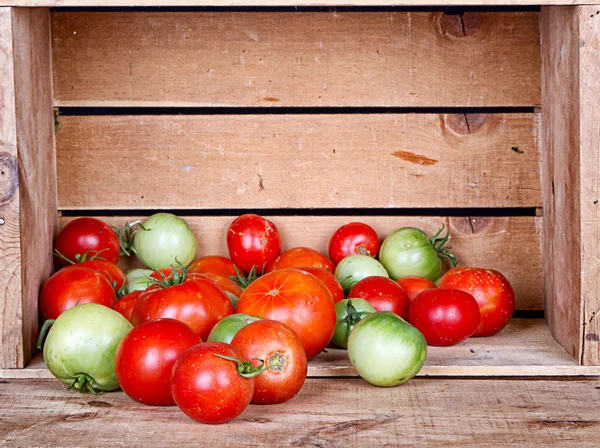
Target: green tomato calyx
(177,277)
(353,316)
(243,281)
(43,332)
(438,243)
(245,368)
(85,383)
(125,235)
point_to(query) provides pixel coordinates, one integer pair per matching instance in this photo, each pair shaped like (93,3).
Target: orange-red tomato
(301,257)
(214,264)
(332,283)
(125,305)
(413,285)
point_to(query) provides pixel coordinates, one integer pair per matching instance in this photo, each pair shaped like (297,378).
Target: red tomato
(87,235)
(383,293)
(125,305)
(198,302)
(297,299)
(113,273)
(145,359)
(214,264)
(493,293)
(414,285)
(332,283)
(225,283)
(253,241)
(284,357)
(71,286)
(301,257)
(208,388)
(444,316)
(353,238)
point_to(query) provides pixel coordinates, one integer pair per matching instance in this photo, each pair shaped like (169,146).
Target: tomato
(413,285)
(354,268)
(145,359)
(384,294)
(86,235)
(73,285)
(349,312)
(353,238)
(137,279)
(329,280)
(301,257)
(493,293)
(125,305)
(228,327)
(385,350)
(214,264)
(253,241)
(409,252)
(231,288)
(197,301)
(444,316)
(113,273)
(296,298)
(208,388)
(284,358)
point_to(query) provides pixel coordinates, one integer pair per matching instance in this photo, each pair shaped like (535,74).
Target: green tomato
(227,327)
(163,240)
(348,313)
(81,345)
(386,350)
(354,268)
(138,279)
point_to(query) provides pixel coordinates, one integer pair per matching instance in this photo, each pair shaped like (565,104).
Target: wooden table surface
(328,412)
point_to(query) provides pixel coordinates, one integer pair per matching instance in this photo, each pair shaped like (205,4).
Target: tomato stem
(84,383)
(125,235)
(244,281)
(353,316)
(43,332)
(245,368)
(438,244)
(177,277)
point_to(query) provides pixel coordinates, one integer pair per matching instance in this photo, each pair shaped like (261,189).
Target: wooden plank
(497,243)
(27,177)
(296,59)
(281,161)
(571,91)
(326,413)
(284,3)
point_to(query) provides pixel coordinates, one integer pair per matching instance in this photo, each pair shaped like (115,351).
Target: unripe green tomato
(137,279)
(354,268)
(347,318)
(228,327)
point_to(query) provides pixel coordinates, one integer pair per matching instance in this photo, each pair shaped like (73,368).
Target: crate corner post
(28,211)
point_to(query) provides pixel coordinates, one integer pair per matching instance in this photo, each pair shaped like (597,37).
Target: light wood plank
(511,245)
(285,3)
(27,177)
(296,59)
(326,413)
(281,161)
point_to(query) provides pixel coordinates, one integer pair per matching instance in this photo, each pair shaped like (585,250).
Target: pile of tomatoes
(214,334)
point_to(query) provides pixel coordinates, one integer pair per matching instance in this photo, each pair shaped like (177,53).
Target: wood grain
(276,59)
(282,161)
(327,413)
(284,3)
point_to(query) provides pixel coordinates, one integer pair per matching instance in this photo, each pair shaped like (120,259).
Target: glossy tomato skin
(253,241)
(231,288)
(198,302)
(145,359)
(296,298)
(445,317)
(87,235)
(353,238)
(125,305)
(284,356)
(383,293)
(332,283)
(413,285)
(207,388)
(113,273)
(214,264)
(493,293)
(71,286)
(301,257)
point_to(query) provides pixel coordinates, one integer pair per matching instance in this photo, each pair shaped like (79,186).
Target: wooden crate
(484,120)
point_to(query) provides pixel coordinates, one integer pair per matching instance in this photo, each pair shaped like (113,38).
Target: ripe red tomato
(113,273)
(231,288)
(353,238)
(145,359)
(284,357)
(301,257)
(296,298)
(125,305)
(493,293)
(332,283)
(444,316)
(214,264)
(87,235)
(413,285)
(208,388)
(71,286)
(198,302)
(253,241)
(383,293)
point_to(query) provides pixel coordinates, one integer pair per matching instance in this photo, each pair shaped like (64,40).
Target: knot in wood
(9,177)
(459,25)
(464,124)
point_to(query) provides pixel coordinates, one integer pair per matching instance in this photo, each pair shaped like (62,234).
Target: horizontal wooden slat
(511,245)
(296,59)
(281,161)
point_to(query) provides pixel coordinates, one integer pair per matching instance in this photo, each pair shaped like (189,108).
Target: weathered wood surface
(511,245)
(570,165)
(326,413)
(296,59)
(27,177)
(287,3)
(281,161)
